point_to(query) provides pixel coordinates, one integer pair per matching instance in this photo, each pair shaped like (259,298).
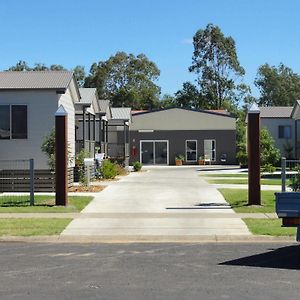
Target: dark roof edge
(188,109)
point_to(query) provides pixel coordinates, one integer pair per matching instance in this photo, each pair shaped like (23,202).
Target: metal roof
(87,95)
(35,79)
(212,112)
(121,113)
(104,105)
(276,111)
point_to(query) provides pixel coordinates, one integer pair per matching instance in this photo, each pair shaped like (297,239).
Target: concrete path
(162,201)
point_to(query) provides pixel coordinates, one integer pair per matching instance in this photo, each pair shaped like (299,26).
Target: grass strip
(238,199)
(269,227)
(32,227)
(226,175)
(244,181)
(43,204)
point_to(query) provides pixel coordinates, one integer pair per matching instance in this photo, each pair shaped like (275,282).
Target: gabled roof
(276,111)
(121,113)
(104,105)
(13,80)
(295,114)
(87,95)
(187,109)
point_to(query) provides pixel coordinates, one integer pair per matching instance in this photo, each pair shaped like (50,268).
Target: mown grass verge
(238,199)
(270,227)
(244,181)
(226,175)
(32,227)
(43,204)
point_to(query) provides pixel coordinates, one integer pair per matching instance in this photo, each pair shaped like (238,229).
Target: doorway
(154,152)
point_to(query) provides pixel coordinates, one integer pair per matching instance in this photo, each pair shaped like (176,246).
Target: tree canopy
(190,97)
(22,65)
(279,86)
(216,65)
(126,80)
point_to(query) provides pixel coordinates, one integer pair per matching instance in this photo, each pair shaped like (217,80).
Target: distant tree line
(129,80)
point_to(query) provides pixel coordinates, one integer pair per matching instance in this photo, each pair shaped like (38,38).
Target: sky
(73,32)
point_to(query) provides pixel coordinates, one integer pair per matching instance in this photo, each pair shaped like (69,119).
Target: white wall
(41,106)
(67,102)
(181,119)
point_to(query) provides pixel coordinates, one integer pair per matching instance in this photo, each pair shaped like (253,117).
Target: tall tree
(190,97)
(216,64)
(167,101)
(126,80)
(279,86)
(79,74)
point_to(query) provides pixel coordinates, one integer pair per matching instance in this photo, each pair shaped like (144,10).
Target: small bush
(180,157)
(137,166)
(108,170)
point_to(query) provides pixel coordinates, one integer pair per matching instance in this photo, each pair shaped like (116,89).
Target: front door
(154,153)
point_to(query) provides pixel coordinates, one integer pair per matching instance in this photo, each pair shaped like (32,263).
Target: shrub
(179,157)
(79,163)
(108,169)
(137,166)
(48,147)
(295,180)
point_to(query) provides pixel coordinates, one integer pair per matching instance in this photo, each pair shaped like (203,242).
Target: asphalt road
(149,271)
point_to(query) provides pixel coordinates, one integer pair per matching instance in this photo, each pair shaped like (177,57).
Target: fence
(16,176)
(289,173)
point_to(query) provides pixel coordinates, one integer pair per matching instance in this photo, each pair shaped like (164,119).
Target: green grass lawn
(238,199)
(244,181)
(243,175)
(269,227)
(43,204)
(32,227)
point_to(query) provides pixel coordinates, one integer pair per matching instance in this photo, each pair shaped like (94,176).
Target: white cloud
(187,41)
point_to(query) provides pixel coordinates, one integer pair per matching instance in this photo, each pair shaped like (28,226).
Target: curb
(148,239)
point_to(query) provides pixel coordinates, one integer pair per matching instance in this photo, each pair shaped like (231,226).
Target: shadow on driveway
(282,258)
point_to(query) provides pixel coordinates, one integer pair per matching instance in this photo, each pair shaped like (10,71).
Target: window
(284,132)
(191,150)
(4,122)
(13,122)
(210,149)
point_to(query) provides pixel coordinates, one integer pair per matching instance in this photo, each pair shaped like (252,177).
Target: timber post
(254,197)
(61,157)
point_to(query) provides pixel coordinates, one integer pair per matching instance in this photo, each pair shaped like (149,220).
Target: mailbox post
(88,163)
(61,157)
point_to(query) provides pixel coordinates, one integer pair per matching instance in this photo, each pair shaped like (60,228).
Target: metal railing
(16,176)
(288,172)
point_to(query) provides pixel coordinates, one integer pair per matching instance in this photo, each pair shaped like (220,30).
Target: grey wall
(225,142)
(272,125)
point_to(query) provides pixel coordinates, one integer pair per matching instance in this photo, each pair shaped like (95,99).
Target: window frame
(283,131)
(11,121)
(195,151)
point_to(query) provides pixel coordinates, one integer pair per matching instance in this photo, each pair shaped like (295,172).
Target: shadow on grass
(24,202)
(282,258)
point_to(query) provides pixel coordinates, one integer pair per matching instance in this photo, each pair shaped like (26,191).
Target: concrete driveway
(158,202)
